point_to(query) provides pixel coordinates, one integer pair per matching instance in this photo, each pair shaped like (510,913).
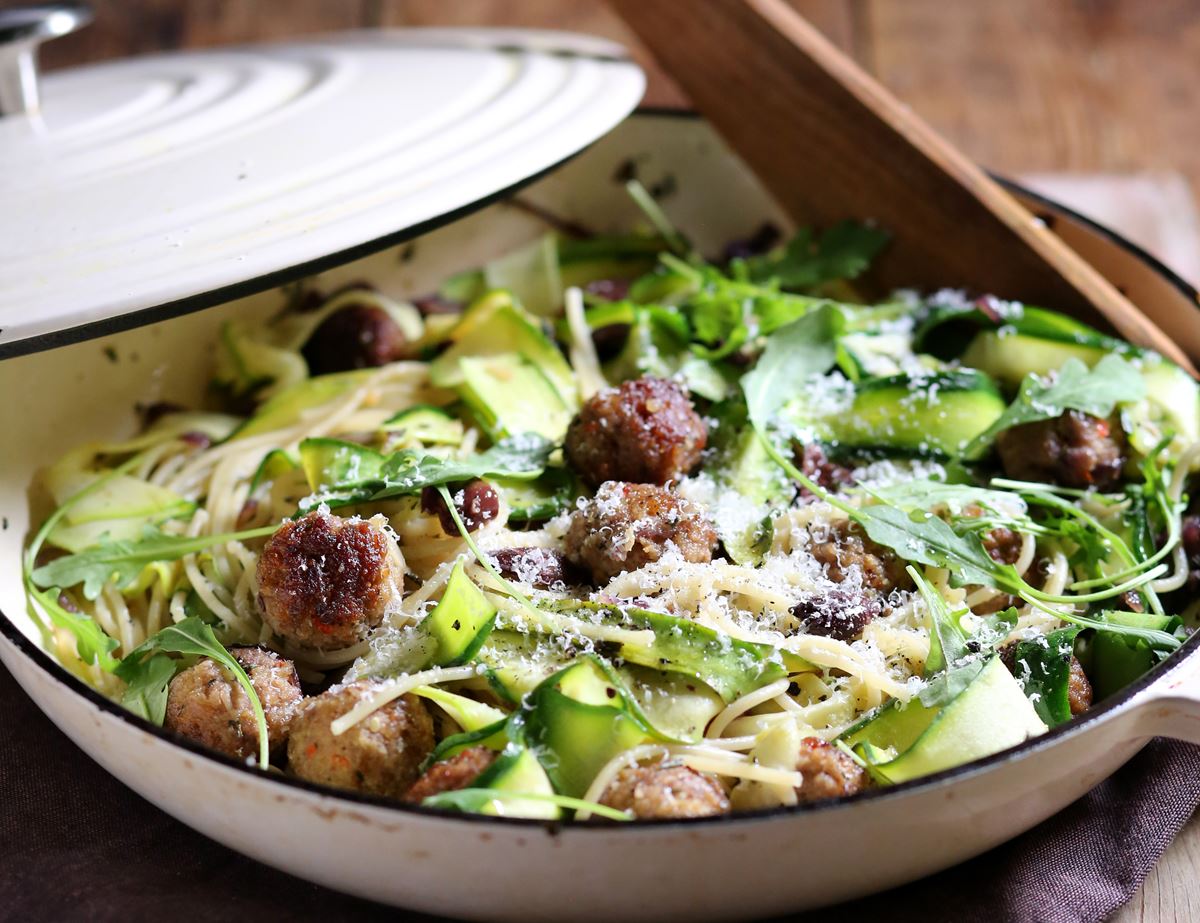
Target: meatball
(645,431)
(626,526)
(660,792)
(358,336)
(1190,539)
(324,581)
(476,503)
(1079,688)
(539,567)
(828,772)
(206,703)
(1074,449)
(838,614)
(1003,545)
(819,467)
(449,775)
(848,555)
(381,755)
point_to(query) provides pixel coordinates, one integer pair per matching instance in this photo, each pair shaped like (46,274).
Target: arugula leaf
(955,659)
(92,644)
(1095,391)
(926,539)
(122,561)
(793,355)
(521,457)
(1043,666)
(926,493)
(147,676)
(948,686)
(843,251)
(947,640)
(146,693)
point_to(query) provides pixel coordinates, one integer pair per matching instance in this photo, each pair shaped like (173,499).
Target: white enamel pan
(486,868)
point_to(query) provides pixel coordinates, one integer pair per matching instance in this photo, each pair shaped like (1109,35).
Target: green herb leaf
(926,539)
(91,642)
(843,251)
(925,494)
(793,355)
(146,694)
(947,640)
(521,457)
(1095,391)
(191,636)
(1043,666)
(948,686)
(122,561)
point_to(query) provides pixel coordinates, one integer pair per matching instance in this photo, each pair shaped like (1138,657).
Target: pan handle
(1171,708)
(21,31)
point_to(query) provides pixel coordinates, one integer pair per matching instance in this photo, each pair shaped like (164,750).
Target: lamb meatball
(476,503)
(381,755)
(358,336)
(542,568)
(1079,688)
(827,771)
(849,556)
(450,775)
(626,526)
(658,792)
(1074,449)
(324,581)
(819,467)
(206,704)
(1003,545)
(837,614)
(1190,540)
(645,431)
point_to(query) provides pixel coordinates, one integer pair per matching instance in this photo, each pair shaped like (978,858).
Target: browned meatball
(539,567)
(476,503)
(848,555)
(1074,450)
(626,526)
(658,792)
(1079,688)
(819,467)
(645,431)
(358,336)
(449,775)
(1003,545)
(837,614)
(1190,539)
(206,704)
(381,755)
(324,581)
(827,771)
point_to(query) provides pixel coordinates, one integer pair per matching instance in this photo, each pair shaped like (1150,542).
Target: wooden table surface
(1022,85)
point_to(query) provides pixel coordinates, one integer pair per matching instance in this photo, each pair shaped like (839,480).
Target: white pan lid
(153,186)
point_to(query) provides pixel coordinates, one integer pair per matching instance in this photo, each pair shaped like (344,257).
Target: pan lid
(149,187)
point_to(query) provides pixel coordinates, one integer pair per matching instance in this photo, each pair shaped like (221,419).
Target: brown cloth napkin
(75,844)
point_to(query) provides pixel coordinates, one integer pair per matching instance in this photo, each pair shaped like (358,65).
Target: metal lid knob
(21,31)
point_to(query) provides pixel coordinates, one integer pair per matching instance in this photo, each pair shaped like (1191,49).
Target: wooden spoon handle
(831,143)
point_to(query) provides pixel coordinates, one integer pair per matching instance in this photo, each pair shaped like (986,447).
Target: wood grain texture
(1021,86)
